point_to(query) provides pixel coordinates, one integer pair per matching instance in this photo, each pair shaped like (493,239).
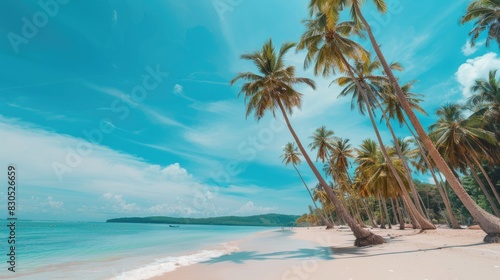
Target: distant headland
(267,220)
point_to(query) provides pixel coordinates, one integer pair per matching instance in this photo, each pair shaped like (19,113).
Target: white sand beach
(314,253)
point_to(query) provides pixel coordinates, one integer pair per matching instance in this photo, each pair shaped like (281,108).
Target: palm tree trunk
(422,222)
(441,189)
(421,201)
(389,224)
(446,201)
(325,220)
(400,214)
(489,223)
(495,193)
(369,213)
(358,215)
(481,185)
(410,211)
(394,213)
(363,237)
(416,196)
(382,220)
(403,161)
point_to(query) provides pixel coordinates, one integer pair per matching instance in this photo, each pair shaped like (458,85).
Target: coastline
(314,253)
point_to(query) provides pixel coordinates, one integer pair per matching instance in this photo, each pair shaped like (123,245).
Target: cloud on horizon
(475,68)
(103,182)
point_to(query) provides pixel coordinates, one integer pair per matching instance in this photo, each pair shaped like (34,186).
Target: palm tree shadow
(322,253)
(355,252)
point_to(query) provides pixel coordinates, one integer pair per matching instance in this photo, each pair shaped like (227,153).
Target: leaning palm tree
(291,155)
(422,164)
(376,87)
(374,177)
(489,223)
(322,140)
(272,89)
(486,13)
(485,102)
(461,141)
(328,45)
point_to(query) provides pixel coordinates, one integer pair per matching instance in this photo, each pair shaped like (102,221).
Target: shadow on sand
(322,253)
(355,252)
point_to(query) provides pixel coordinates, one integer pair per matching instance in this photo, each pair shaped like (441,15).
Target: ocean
(117,251)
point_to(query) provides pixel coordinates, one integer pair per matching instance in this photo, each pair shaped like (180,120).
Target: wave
(162,266)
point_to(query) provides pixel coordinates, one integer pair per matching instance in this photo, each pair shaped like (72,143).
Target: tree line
(382,181)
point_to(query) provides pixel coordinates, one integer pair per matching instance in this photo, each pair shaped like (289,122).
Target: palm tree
(376,87)
(485,101)
(489,223)
(422,164)
(338,167)
(461,141)
(323,142)
(327,44)
(366,97)
(320,195)
(374,177)
(292,155)
(272,89)
(341,152)
(486,13)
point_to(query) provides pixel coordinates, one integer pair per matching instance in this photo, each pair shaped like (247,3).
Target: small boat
(172,226)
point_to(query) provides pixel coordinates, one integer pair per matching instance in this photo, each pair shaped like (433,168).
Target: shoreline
(315,253)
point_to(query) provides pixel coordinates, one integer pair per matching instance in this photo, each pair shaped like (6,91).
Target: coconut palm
(489,223)
(341,152)
(272,89)
(374,176)
(486,14)
(422,164)
(338,168)
(366,88)
(485,101)
(376,87)
(322,140)
(328,45)
(461,141)
(291,155)
(320,195)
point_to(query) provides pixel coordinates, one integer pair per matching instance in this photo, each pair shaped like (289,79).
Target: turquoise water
(73,250)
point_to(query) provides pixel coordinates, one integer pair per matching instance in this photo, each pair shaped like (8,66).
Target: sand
(315,253)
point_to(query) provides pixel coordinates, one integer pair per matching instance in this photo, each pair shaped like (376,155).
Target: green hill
(268,220)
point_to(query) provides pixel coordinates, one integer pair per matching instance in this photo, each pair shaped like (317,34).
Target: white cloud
(119,204)
(178,89)
(468,50)
(474,69)
(52,203)
(104,183)
(250,208)
(129,104)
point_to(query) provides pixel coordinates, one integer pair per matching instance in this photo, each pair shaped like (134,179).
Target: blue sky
(123,108)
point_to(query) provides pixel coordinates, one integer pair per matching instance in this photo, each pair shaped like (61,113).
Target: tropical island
(374,125)
(268,220)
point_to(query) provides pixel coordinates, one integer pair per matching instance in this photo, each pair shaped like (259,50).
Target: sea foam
(162,266)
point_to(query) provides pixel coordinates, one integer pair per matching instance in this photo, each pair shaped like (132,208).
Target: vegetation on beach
(381,186)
